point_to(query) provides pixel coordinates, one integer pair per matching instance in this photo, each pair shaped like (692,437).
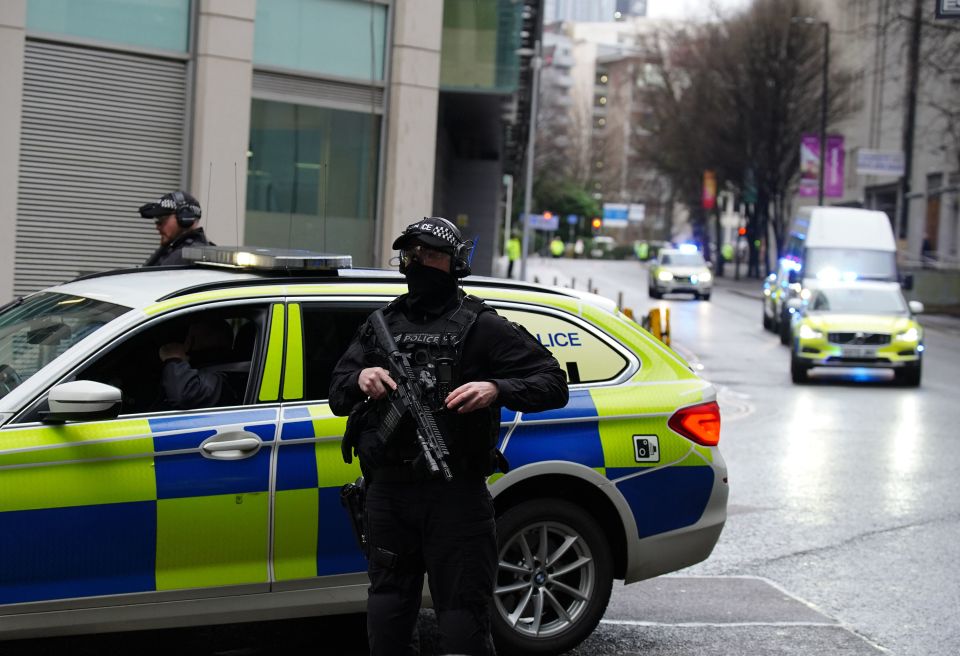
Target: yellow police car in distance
(680,270)
(857,324)
(120,509)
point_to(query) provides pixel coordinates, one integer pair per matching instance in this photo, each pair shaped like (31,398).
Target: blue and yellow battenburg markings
(596,430)
(131,506)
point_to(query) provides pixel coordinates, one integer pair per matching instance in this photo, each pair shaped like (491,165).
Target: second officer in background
(418,524)
(175,215)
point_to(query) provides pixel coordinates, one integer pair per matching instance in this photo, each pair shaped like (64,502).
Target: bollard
(589,284)
(628,313)
(554,281)
(658,323)
(573,283)
(620,300)
(536,280)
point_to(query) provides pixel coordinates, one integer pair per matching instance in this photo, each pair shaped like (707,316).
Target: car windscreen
(682,259)
(860,301)
(36,330)
(841,263)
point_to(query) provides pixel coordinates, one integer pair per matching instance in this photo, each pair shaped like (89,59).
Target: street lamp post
(824,96)
(535,63)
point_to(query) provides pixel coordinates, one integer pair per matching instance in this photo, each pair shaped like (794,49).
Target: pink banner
(810,167)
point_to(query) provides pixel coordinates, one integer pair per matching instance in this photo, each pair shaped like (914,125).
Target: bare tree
(735,97)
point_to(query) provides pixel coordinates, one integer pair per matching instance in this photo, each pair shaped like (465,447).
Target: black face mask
(431,290)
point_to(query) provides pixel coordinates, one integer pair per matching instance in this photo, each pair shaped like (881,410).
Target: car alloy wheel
(554,577)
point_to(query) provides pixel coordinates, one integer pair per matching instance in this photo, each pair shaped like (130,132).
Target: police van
(120,512)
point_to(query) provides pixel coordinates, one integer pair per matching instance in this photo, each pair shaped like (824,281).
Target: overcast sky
(690,9)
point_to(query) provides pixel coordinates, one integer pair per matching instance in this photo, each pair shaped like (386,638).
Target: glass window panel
(312,179)
(479,46)
(160,24)
(339,37)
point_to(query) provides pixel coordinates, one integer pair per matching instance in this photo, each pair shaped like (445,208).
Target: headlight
(705,276)
(908,335)
(664,276)
(806,332)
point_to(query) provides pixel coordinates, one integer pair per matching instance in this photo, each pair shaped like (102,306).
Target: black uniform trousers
(446,530)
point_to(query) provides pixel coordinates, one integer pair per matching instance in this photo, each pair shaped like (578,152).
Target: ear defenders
(460,259)
(187,212)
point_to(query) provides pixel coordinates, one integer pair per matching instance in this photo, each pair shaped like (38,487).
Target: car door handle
(228,446)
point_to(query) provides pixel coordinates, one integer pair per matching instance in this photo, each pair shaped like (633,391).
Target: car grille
(871,339)
(681,279)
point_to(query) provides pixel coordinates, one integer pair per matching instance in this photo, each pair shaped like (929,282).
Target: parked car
(863,324)
(120,513)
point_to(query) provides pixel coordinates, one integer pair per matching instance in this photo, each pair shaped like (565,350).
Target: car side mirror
(82,400)
(916,307)
(793,277)
(906,281)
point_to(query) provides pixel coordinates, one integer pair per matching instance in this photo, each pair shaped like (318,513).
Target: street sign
(948,8)
(615,215)
(637,212)
(545,221)
(572,219)
(880,162)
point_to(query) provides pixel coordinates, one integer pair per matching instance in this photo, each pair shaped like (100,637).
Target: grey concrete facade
(13,19)
(411,122)
(221,113)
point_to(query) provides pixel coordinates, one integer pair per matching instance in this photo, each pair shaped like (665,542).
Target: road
(843,525)
(842,496)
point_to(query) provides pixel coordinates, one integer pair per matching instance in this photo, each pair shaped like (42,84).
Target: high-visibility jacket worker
(513,253)
(556,247)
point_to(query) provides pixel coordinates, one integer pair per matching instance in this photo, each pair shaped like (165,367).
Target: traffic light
(595,224)
(547,216)
(742,231)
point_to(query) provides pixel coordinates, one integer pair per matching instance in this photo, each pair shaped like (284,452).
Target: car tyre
(653,293)
(784,330)
(798,370)
(553,556)
(767,321)
(705,297)
(908,376)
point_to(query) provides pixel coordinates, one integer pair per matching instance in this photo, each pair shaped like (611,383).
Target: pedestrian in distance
(513,253)
(468,361)
(175,215)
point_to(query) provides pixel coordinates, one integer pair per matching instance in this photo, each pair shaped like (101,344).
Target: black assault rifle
(406,398)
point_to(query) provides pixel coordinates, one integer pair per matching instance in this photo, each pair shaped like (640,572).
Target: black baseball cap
(433,231)
(170,203)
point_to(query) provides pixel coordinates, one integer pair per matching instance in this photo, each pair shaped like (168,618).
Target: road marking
(714,625)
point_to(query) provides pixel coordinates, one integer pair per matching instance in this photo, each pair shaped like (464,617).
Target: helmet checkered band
(440,231)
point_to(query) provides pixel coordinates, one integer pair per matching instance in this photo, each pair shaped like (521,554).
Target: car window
(583,355)
(40,328)
(220,345)
(820,303)
(664,259)
(327,331)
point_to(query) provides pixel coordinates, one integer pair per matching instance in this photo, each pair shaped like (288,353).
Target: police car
(680,270)
(857,324)
(120,513)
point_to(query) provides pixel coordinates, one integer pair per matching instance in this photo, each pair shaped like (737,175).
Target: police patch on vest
(426,338)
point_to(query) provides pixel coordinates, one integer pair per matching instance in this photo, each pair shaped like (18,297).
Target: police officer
(194,374)
(176,215)
(415,523)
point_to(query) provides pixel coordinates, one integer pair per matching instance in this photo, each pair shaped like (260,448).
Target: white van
(828,244)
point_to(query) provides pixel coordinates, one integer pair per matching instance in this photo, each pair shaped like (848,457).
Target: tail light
(700,423)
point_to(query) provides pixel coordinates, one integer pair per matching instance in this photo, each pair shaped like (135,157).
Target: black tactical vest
(435,349)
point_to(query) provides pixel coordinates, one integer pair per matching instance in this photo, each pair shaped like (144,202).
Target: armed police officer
(468,362)
(175,215)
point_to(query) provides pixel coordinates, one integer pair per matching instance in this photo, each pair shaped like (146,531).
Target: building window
(312,179)
(159,24)
(479,46)
(343,38)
